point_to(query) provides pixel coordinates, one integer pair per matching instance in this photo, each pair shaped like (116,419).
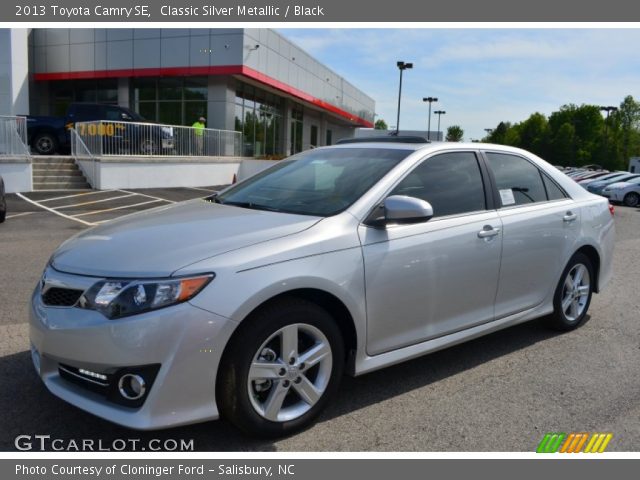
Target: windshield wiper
(250,205)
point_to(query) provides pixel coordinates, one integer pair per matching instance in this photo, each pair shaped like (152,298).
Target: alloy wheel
(575,292)
(290,372)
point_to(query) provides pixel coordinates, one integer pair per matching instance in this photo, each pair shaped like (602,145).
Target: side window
(114,113)
(518,181)
(450,182)
(553,191)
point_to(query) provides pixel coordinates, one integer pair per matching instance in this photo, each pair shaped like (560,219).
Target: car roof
(384,139)
(432,145)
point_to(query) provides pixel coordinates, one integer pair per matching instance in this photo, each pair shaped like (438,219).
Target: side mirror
(401,210)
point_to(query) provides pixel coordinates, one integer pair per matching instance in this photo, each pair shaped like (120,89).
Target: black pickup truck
(49,135)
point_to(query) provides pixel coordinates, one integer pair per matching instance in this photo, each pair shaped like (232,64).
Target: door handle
(569,216)
(488,231)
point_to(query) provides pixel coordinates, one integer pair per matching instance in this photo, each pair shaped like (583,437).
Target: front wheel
(573,294)
(281,369)
(148,147)
(631,199)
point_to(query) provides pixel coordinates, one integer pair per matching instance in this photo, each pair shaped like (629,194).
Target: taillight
(612,210)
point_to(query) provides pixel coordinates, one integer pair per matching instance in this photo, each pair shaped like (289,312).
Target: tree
(454,133)
(381,125)
(534,134)
(628,115)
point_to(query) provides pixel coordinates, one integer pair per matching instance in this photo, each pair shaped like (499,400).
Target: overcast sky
(480,76)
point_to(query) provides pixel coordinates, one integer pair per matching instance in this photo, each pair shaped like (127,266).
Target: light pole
(606,122)
(439,113)
(430,100)
(608,109)
(402,66)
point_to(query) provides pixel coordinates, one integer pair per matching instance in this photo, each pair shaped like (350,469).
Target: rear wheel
(281,369)
(631,199)
(45,144)
(573,294)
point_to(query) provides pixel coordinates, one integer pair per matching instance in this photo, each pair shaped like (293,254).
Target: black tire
(148,147)
(3,213)
(631,199)
(45,144)
(560,319)
(233,376)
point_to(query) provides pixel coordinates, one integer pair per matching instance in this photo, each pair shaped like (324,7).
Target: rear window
(519,182)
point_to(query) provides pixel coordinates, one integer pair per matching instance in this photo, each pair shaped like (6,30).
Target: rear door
(429,279)
(540,225)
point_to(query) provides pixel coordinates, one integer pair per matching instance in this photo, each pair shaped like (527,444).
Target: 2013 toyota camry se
(251,304)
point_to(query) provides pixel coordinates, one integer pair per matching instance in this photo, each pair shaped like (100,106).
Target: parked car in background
(597,186)
(3,202)
(590,175)
(624,192)
(48,135)
(252,304)
(604,176)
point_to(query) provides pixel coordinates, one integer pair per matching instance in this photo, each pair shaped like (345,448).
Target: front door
(437,277)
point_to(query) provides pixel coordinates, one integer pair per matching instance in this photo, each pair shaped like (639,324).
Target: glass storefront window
(170,113)
(144,89)
(195,88)
(170,89)
(64,92)
(258,116)
(175,100)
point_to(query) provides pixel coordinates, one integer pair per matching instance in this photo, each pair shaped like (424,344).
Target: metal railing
(110,138)
(83,158)
(13,136)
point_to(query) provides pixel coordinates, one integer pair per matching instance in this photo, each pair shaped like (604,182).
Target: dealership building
(250,80)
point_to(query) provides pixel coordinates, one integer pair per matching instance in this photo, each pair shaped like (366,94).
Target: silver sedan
(251,304)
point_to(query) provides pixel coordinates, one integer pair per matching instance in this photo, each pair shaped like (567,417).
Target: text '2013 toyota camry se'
(252,303)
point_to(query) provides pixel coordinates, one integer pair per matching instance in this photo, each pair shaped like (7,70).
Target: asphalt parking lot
(502,392)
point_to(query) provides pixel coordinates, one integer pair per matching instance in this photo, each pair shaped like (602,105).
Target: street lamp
(430,100)
(402,66)
(439,113)
(608,109)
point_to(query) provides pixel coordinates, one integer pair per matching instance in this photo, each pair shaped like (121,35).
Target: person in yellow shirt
(198,134)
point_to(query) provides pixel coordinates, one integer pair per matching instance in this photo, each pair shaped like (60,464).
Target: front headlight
(121,298)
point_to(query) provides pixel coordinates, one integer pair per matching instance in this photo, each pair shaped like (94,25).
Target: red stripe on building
(206,70)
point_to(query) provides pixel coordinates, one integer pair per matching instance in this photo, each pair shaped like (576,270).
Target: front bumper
(613,195)
(186,342)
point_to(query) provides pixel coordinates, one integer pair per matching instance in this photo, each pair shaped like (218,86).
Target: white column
(14,71)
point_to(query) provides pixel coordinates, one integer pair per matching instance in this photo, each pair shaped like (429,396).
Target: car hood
(158,242)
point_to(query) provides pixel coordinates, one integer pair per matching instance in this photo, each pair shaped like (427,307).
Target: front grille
(61,297)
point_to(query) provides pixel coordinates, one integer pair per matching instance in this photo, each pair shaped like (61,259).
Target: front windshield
(320,182)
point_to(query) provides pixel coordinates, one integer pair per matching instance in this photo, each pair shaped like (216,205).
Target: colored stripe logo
(574,443)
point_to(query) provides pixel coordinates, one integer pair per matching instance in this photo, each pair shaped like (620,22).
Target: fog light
(132,386)
(89,373)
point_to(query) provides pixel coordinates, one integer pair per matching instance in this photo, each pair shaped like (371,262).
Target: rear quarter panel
(598,231)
